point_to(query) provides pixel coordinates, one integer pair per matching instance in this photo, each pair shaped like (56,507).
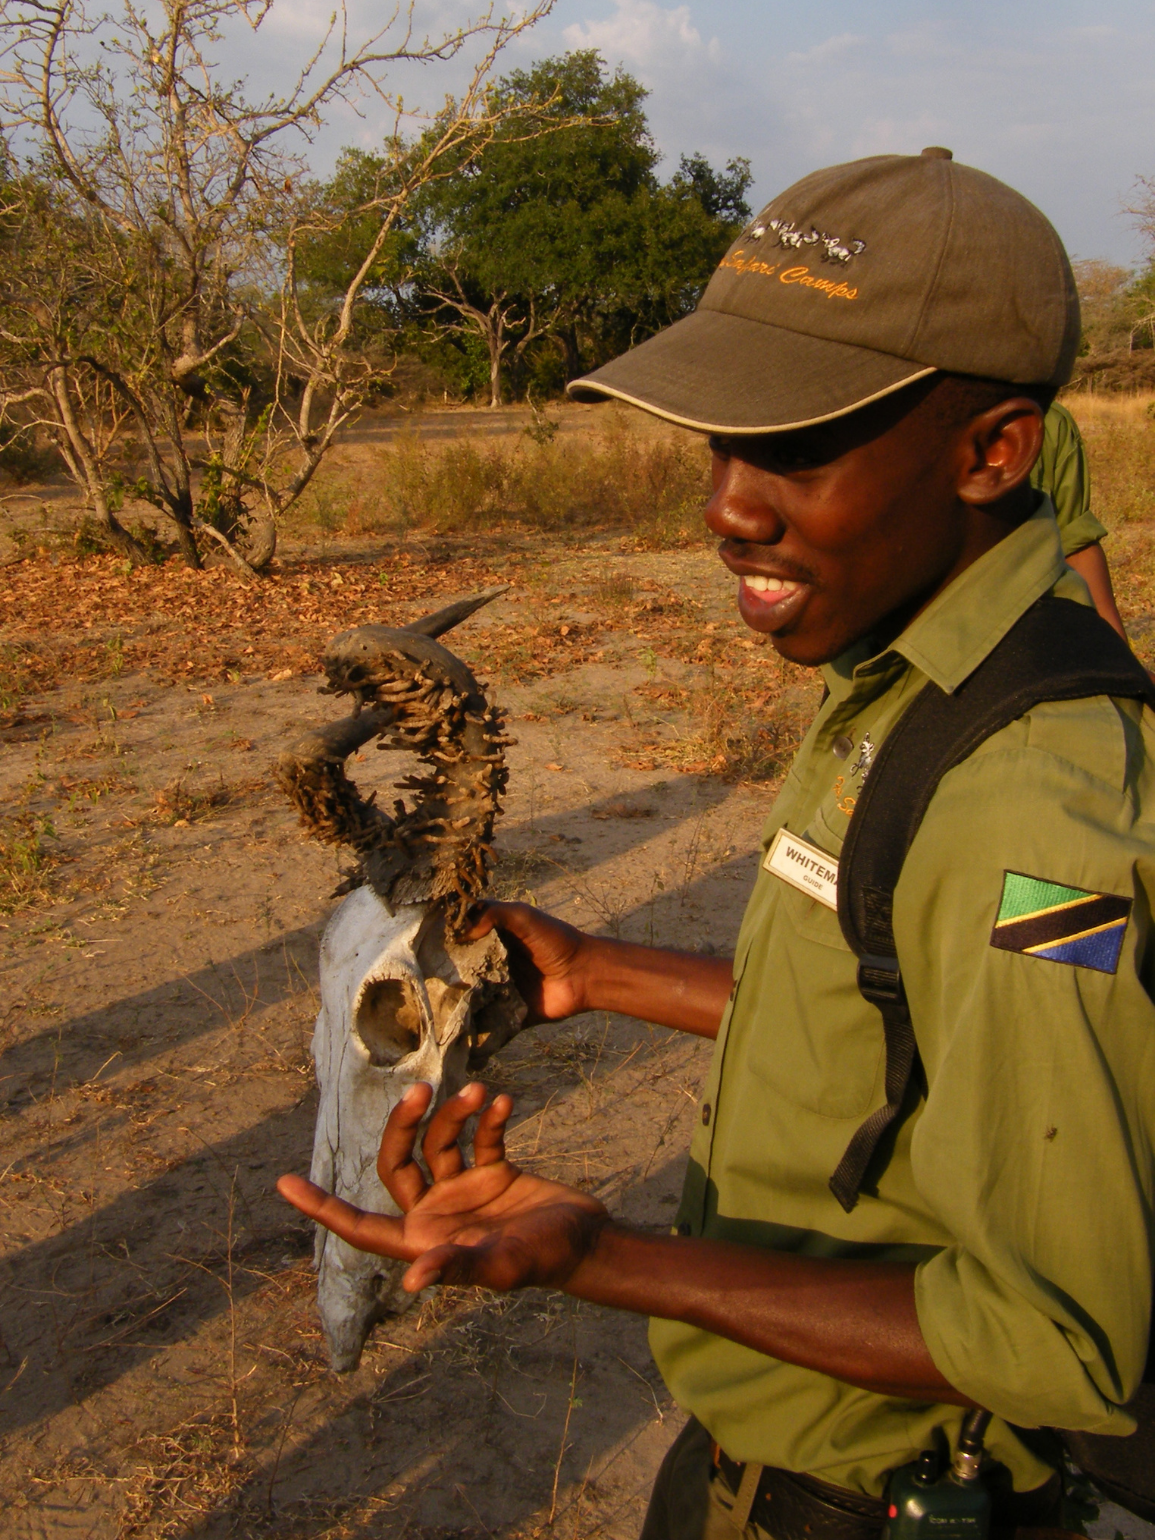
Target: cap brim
(722,373)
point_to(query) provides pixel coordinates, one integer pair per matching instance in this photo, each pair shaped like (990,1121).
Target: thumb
(480,920)
(430,1266)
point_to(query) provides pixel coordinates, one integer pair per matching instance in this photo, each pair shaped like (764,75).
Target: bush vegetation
(653,485)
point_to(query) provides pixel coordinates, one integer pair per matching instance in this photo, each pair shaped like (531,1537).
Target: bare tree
(166,319)
(504,322)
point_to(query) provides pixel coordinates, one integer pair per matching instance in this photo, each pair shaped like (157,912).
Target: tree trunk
(494,370)
(182,517)
(186,542)
(127,544)
(570,351)
(81,460)
(262,546)
(495,341)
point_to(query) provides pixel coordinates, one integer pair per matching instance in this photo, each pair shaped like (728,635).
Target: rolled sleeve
(1078,533)
(1034,1148)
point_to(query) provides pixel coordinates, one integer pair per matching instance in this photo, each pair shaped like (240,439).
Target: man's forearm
(672,989)
(853,1320)
(1091,565)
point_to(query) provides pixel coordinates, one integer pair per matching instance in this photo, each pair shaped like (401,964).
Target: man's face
(833,528)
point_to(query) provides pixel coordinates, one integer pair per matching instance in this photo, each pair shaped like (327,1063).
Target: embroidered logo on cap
(790,236)
(1067,925)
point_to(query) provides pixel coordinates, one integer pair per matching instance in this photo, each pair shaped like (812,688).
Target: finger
(482,918)
(427,1268)
(493,914)
(494,1262)
(440,1147)
(446,1264)
(402,1176)
(489,1140)
(379,1233)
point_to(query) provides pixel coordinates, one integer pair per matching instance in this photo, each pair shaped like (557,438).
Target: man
(872,362)
(1061,474)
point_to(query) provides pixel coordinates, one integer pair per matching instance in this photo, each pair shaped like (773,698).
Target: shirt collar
(950,638)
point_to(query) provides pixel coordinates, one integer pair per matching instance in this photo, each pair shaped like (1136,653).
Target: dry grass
(738,728)
(26,860)
(70,620)
(25,665)
(1119,432)
(179,804)
(653,485)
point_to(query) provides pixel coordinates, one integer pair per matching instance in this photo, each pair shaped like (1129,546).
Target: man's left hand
(491,1224)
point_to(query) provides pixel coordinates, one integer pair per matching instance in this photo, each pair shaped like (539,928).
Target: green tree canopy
(547,253)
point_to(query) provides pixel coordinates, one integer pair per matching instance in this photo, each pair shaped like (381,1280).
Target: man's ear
(998,449)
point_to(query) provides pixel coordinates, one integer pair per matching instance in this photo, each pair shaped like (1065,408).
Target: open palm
(490,1224)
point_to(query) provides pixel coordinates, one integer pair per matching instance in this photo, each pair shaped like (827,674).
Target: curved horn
(423,699)
(312,776)
(453,614)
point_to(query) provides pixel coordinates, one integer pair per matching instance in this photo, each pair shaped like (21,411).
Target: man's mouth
(770,585)
(770,602)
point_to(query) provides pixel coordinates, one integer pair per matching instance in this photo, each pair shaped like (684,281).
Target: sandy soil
(161,1362)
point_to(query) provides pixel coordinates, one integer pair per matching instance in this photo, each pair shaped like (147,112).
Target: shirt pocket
(821,1046)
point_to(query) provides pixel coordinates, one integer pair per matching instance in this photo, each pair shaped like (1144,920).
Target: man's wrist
(603,1276)
(594,982)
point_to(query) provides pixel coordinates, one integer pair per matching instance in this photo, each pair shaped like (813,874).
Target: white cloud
(644,34)
(930,41)
(832,48)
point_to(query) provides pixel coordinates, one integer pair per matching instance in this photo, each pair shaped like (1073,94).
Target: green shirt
(1061,474)
(1022,1184)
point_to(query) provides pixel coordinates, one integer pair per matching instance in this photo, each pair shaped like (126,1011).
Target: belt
(791,1506)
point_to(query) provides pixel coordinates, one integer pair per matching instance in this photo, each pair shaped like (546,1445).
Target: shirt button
(684,1228)
(706,1115)
(841,747)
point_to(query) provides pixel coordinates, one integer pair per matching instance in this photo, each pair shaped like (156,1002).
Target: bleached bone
(403,996)
(398,1003)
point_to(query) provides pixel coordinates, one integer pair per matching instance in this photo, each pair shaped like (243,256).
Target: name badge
(804,867)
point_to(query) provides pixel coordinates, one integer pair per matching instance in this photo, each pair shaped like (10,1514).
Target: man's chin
(807,645)
(805,652)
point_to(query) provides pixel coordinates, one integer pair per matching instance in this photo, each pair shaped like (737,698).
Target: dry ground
(160,1360)
(162,1364)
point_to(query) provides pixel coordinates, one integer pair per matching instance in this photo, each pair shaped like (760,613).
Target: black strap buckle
(880,979)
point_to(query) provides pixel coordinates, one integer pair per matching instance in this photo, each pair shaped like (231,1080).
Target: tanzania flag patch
(1068,925)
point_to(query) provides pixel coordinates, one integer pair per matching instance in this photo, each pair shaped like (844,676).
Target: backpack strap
(1057,650)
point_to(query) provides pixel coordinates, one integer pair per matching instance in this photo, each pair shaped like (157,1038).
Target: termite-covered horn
(415,695)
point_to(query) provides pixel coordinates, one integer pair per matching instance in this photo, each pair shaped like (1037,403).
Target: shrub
(653,484)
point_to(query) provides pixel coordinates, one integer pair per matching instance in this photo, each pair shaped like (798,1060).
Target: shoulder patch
(1068,925)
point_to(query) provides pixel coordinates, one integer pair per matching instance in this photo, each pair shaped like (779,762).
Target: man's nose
(741,508)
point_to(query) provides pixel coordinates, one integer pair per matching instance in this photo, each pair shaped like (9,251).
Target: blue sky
(1056,98)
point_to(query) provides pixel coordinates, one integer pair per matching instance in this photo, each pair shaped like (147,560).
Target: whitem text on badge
(804,867)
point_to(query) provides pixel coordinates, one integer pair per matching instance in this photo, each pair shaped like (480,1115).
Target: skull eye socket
(388,1021)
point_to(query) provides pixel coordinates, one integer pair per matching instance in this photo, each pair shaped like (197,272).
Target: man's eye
(793,457)
(780,457)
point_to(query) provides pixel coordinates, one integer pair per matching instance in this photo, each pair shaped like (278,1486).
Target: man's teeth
(769,585)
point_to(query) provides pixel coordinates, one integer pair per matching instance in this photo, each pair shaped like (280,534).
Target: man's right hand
(547,957)
(560,971)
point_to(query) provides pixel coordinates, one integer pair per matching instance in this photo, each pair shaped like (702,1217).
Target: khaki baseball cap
(854,282)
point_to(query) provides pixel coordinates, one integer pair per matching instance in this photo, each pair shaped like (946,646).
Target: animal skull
(403,997)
